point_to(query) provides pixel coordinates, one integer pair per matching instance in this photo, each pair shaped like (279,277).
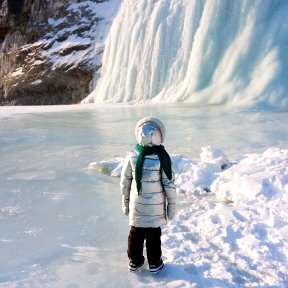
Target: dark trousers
(136,239)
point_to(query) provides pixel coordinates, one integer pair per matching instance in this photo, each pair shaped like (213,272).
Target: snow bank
(233,221)
(190,174)
(111,167)
(262,177)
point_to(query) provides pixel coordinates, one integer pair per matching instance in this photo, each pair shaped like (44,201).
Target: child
(148,193)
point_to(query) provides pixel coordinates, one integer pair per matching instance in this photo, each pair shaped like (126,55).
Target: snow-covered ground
(232,223)
(60,212)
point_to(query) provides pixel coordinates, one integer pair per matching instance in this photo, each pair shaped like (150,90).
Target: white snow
(17,72)
(61,223)
(36,82)
(234,223)
(93,18)
(231,225)
(105,9)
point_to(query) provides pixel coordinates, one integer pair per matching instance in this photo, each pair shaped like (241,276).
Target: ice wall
(200,52)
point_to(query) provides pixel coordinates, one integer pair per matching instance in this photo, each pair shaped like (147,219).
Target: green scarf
(165,162)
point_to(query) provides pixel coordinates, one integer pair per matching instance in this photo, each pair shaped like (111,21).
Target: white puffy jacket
(158,196)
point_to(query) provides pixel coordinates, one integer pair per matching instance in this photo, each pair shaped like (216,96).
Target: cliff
(51,50)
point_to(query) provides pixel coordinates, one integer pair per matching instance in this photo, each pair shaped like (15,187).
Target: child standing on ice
(148,193)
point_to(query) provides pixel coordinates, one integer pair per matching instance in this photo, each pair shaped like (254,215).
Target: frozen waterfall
(198,52)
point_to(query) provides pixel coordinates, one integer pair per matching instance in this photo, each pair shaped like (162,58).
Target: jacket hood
(150,131)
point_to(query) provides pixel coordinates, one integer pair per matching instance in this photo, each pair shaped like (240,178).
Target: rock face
(50,49)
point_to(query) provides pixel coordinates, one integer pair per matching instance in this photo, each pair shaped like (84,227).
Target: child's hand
(170,211)
(125,205)
(125,210)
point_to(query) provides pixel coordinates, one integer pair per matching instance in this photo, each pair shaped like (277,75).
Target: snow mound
(111,167)
(262,177)
(238,231)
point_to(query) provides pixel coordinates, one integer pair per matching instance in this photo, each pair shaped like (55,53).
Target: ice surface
(60,211)
(200,52)
(62,223)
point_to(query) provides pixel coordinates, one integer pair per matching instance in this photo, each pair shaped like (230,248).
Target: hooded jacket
(158,197)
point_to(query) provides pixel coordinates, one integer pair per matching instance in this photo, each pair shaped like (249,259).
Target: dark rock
(70,49)
(39,63)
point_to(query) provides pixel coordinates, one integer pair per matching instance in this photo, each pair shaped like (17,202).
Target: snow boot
(134,266)
(155,268)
